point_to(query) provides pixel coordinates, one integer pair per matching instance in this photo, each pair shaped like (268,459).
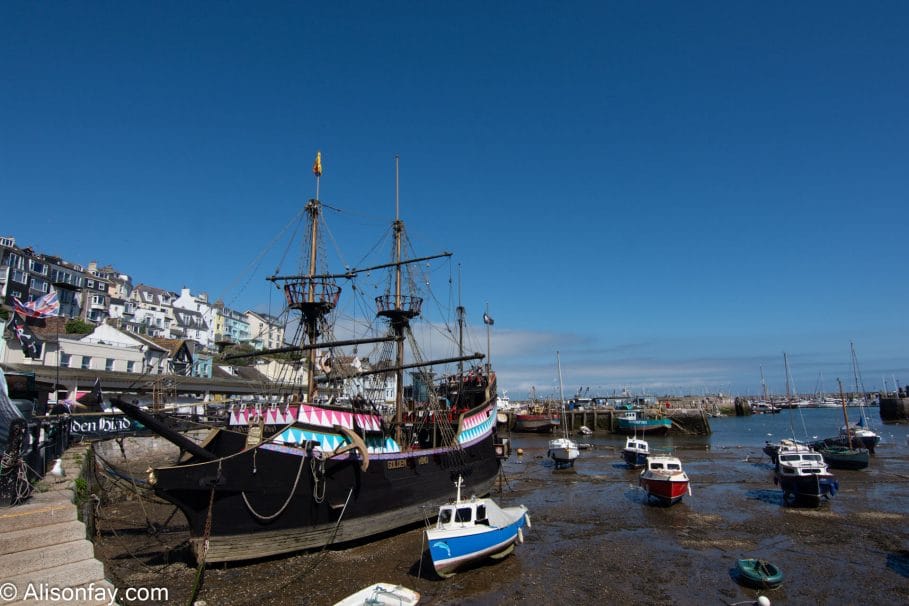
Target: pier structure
(894,409)
(692,421)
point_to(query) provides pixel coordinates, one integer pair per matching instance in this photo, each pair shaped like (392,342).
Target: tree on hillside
(78,327)
(234,350)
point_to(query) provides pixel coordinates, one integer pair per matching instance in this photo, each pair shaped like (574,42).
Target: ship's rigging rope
(453,451)
(252,266)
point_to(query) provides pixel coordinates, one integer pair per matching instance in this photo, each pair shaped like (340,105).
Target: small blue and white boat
(474,529)
(635,452)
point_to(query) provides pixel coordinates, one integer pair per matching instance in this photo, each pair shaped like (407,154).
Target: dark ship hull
(327,474)
(279,497)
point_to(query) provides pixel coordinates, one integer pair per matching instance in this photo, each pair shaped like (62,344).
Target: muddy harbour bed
(593,538)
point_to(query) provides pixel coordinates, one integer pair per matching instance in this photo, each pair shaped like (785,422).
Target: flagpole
(317,170)
(488,347)
(57,379)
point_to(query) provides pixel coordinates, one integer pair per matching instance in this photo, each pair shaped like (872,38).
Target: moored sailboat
(563,450)
(294,471)
(861,431)
(839,455)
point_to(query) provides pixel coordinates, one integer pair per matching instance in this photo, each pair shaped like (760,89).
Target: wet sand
(593,539)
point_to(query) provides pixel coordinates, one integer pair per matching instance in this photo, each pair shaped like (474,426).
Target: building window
(64,360)
(86,362)
(130,366)
(109,365)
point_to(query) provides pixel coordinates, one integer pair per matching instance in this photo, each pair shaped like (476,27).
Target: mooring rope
(286,503)
(205,540)
(14,475)
(316,561)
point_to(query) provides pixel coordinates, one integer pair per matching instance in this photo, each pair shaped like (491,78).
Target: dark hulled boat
(803,476)
(844,451)
(294,472)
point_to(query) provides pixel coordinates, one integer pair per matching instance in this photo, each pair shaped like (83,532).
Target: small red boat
(664,479)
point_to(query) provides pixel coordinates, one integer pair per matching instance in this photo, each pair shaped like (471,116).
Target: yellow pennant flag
(317,165)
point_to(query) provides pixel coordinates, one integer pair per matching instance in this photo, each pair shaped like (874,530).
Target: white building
(154,310)
(199,305)
(265,332)
(106,348)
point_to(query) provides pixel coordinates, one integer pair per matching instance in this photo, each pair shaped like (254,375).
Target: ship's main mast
(399,309)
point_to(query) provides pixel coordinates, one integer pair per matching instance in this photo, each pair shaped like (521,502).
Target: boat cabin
(458,515)
(637,445)
(664,465)
(802,463)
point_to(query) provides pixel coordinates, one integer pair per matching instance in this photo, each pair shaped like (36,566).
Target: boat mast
(788,398)
(561,395)
(764,386)
(313,296)
(859,385)
(313,209)
(845,414)
(398,228)
(487,320)
(786,365)
(461,311)
(399,309)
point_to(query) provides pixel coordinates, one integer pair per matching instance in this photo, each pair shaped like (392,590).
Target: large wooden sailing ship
(295,471)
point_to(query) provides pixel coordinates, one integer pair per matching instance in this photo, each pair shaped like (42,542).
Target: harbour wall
(693,421)
(894,409)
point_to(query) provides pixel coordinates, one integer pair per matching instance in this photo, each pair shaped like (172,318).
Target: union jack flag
(45,307)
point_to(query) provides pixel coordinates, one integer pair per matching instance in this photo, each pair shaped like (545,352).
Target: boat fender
(527,520)
(520,536)
(834,487)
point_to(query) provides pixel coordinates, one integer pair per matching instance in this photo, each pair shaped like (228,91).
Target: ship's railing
(388,305)
(36,444)
(304,293)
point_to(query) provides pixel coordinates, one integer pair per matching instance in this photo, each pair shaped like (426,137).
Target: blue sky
(669,194)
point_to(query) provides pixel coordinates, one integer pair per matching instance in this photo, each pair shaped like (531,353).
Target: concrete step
(30,560)
(68,575)
(43,536)
(56,495)
(31,515)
